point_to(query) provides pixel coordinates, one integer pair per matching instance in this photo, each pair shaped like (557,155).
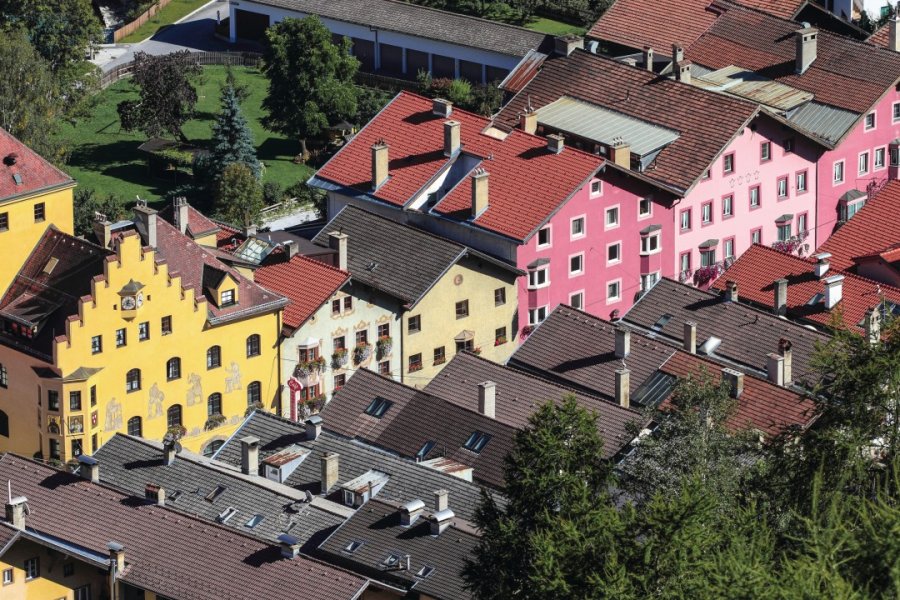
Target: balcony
(308,372)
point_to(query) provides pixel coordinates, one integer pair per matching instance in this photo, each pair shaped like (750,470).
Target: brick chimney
(180,210)
(313,427)
(480,194)
(250,455)
(689,342)
(330,470)
(340,242)
(735,381)
(380,164)
(807,42)
(834,289)
(775,369)
(623,387)
(441,108)
(451,138)
(555,143)
(623,342)
(487,399)
(102,229)
(822,264)
(89,468)
(145,217)
(155,494)
(648,58)
(872,324)
(528,121)
(565,45)
(16,510)
(785,348)
(780,305)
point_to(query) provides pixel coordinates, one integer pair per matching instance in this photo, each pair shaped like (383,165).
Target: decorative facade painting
(113,420)
(76,424)
(155,402)
(195,390)
(233,381)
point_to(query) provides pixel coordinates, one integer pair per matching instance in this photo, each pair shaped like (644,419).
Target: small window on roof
(51,264)
(254,521)
(815,299)
(226,514)
(211,497)
(477,441)
(425,572)
(378,407)
(392,560)
(175,496)
(427,447)
(353,546)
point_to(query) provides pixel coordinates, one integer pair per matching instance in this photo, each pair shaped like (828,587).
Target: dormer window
(227,298)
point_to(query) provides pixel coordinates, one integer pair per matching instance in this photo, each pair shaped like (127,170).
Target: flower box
(177,431)
(214,421)
(500,340)
(384,345)
(362,352)
(704,275)
(339,358)
(252,407)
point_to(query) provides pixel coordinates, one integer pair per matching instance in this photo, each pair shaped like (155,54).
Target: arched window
(135,427)
(253,345)
(173,416)
(214,357)
(173,368)
(212,447)
(254,393)
(133,380)
(4,424)
(214,404)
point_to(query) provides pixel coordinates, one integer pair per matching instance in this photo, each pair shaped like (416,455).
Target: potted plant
(214,421)
(339,358)
(252,407)
(500,340)
(362,351)
(384,345)
(477,350)
(703,275)
(177,431)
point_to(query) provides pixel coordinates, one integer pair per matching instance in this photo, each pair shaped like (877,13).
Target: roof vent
(709,346)
(10,159)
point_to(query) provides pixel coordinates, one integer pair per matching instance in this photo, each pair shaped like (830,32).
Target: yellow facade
(25,228)
(469,280)
(53,574)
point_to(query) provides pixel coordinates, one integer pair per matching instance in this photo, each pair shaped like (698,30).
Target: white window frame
(782,188)
(707,252)
(874,125)
(606,213)
(802,223)
(8,576)
(895,112)
(780,227)
(681,257)
(549,243)
(725,243)
(725,169)
(758,190)
(834,169)
(599,184)
(730,204)
(618,253)
(533,283)
(688,212)
(859,160)
(645,240)
(580,271)
(768,155)
(706,212)
(883,151)
(28,571)
(647,277)
(572,221)
(618,296)
(649,213)
(537,315)
(797,175)
(580,295)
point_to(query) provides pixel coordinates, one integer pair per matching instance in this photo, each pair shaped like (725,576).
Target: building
(400,39)
(448,297)
(68,537)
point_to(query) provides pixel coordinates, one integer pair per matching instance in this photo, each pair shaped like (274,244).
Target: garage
(391,59)
(364,51)
(250,25)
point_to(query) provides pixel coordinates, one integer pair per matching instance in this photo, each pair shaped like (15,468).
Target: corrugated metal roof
(657,388)
(827,122)
(603,125)
(527,68)
(744,83)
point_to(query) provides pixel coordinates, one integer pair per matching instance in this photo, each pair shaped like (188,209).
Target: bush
(272,193)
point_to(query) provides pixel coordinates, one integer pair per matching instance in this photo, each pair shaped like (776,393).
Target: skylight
(213,495)
(427,447)
(425,572)
(352,546)
(254,521)
(378,407)
(477,441)
(226,514)
(815,299)
(392,560)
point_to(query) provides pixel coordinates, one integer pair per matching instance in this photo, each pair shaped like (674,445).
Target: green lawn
(175,10)
(107,159)
(553,27)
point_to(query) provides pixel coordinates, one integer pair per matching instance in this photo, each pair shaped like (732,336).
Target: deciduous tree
(239,197)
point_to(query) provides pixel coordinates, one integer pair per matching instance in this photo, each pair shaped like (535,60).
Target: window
(782,188)
(439,356)
(32,568)
(384,368)
(97,344)
(863,161)
(425,571)
(214,494)
(253,345)
(76,447)
(802,224)
(645,208)
(209,451)
(500,296)
(614,253)
(870,122)
(348,303)
(340,381)
(788,145)
(880,155)
(173,416)
(685,263)
(706,213)
(756,236)
(650,243)
(466,345)
(227,298)
(612,217)
(384,330)
(801,182)
(538,278)
(853,208)
(577,227)
(52,400)
(254,521)
(352,547)
(537,315)
(4,221)
(214,357)
(754,197)
(121,338)
(414,324)
(613,290)
(74,400)
(93,395)
(765,151)
(415,362)
(543,237)
(362,337)
(896,111)
(135,427)
(4,376)
(427,447)
(597,187)
(686,219)
(838,172)
(336,307)
(727,206)
(706,174)
(477,441)
(254,393)
(378,407)
(728,248)
(500,336)
(166,325)
(133,380)
(339,343)
(707,257)
(40,212)
(728,163)
(4,424)
(7,576)
(576,264)
(648,281)
(784,231)
(83,592)
(214,404)
(54,449)
(173,368)
(462,309)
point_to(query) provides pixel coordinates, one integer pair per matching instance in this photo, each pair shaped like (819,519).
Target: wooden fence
(129,28)
(234,59)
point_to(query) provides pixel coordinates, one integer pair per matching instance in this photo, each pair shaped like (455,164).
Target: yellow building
(147,333)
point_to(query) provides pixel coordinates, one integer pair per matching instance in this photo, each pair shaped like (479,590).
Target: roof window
(213,495)
(427,447)
(378,407)
(254,521)
(425,572)
(226,514)
(353,546)
(477,441)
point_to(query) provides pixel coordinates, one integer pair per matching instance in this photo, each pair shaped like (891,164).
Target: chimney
(623,387)
(441,108)
(807,40)
(169,451)
(250,455)
(834,288)
(441,500)
(411,511)
(16,510)
(623,342)
(379,163)
(145,217)
(775,369)
(329,471)
(894,25)
(290,546)
(648,58)
(291,248)
(780,306)
(735,382)
(677,55)
(528,121)
(480,196)
(731,291)
(872,324)
(102,229)
(181,214)
(683,71)
(313,427)
(339,241)
(690,337)
(565,45)
(116,557)
(89,468)
(785,349)
(487,399)
(155,494)
(555,143)
(441,521)
(620,153)
(822,264)
(451,137)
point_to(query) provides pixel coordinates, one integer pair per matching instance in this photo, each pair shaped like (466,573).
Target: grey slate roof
(519,394)
(748,335)
(130,463)
(377,525)
(401,17)
(407,480)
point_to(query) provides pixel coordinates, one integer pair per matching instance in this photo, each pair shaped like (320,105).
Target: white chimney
(872,324)
(313,427)
(89,468)
(116,557)
(555,143)
(822,264)
(807,41)
(16,510)
(683,71)
(330,469)
(169,451)
(648,58)
(146,217)
(785,348)
(775,368)
(180,210)
(290,546)
(380,164)
(623,342)
(451,138)
(731,291)
(780,306)
(339,241)
(690,337)
(441,108)
(623,387)
(411,511)
(291,248)
(480,192)
(440,521)
(528,121)
(894,25)
(735,381)
(487,399)
(677,54)
(250,455)
(565,45)
(834,288)
(441,500)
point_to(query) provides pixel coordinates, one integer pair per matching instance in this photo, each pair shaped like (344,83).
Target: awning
(709,243)
(465,336)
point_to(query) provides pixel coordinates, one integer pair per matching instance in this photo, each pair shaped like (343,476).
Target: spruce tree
(232,139)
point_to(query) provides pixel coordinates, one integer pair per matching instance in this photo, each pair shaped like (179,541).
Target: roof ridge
(411,227)
(720,366)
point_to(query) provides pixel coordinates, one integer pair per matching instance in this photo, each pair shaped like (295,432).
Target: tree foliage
(60,30)
(238,195)
(88,204)
(232,141)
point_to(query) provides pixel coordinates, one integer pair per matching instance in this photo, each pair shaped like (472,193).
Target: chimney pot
(528,121)
(565,45)
(620,153)
(451,138)
(780,305)
(330,470)
(250,455)
(735,381)
(623,342)
(683,71)
(555,143)
(89,468)
(648,58)
(487,398)
(116,557)
(690,337)
(291,248)
(806,41)
(441,108)
(380,164)
(480,192)
(822,264)
(623,387)
(290,546)
(775,369)
(155,494)
(834,287)
(677,54)
(169,451)
(785,349)
(102,229)
(340,242)
(872,323)
(731,291)
(313,427)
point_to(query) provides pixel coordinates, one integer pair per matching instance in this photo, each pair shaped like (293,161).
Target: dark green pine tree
(232,139)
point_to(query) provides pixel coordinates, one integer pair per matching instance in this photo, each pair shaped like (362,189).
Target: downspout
(278,343)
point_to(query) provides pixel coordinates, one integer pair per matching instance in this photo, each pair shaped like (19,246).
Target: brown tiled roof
(748,335)
(198,225)
(168,552)
(519,394)
(786,9)
(654,23)
(34,173)
(578,350)
(706,121)
(881,37)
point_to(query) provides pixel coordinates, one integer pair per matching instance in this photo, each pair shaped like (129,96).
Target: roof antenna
(529,102)
(9,488)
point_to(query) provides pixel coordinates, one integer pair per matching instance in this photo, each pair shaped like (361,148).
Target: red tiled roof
(198,224)
(872,230)
(786,9)
(35,172)
(706,121)
(757,269)
(654,23)
(519,166)
(881,37)
(762,405)
(307,283)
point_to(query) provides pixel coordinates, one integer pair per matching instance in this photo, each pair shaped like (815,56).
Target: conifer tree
(232,138)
